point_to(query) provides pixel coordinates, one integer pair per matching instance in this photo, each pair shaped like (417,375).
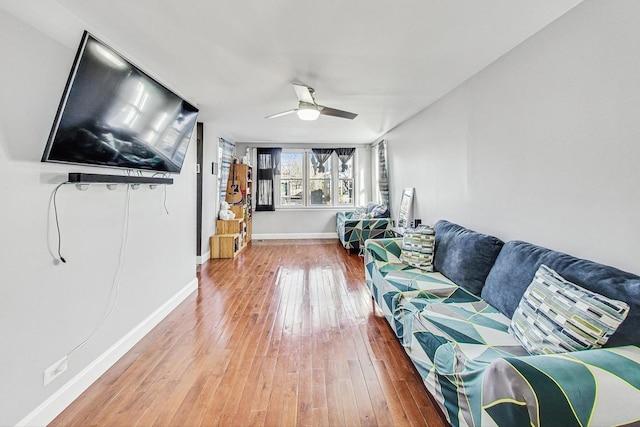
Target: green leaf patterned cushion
(557,316)
(418,246)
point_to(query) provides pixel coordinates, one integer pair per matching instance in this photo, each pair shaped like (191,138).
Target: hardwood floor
(284,335)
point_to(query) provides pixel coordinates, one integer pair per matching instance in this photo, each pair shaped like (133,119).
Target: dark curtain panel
(344,154)
(320,157)
(268,163)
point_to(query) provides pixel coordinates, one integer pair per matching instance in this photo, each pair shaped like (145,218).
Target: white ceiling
(237,59)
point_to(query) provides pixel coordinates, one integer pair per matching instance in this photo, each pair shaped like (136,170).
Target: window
(346,188)
(320,178)
(317,178)
(292,178)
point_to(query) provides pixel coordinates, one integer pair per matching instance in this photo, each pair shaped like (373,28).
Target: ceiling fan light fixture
(308,112)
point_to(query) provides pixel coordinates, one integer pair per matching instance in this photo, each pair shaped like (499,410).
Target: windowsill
(315,208)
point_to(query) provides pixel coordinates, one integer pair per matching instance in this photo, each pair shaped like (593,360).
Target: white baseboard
(56,403)
(294,236)
(203,258)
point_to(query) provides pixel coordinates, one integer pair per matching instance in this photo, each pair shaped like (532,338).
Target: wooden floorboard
(284,335)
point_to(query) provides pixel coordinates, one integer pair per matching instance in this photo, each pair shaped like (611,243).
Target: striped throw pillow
(557,316)
(417,247)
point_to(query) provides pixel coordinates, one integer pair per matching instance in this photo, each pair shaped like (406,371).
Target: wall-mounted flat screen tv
(113,114)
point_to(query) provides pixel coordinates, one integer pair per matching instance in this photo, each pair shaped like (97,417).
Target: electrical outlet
(55,370)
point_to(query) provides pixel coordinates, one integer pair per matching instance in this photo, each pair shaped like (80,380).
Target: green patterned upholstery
(392,282)
(354,232)
(482,376)
(386,250)
(598,387)
(478,372)
(451,345)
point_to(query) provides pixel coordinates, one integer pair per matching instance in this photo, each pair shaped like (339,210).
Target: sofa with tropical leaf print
(513,334)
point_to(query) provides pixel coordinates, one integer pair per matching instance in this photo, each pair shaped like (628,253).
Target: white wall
(294,223)
(47,309)
(210,190)
(543,145)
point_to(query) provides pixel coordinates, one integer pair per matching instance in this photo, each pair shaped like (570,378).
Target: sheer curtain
(276,152)
(225,155)
(383,172)
(320,157)
(344,154)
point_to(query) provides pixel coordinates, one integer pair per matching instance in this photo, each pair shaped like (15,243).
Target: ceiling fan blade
(328,111)
(284,113)
(304,93)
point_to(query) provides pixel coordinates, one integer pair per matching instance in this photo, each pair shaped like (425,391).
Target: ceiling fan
(308,109)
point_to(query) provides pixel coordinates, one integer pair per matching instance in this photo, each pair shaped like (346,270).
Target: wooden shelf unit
(244,209)
(225,245)
(233,235)
(230,238)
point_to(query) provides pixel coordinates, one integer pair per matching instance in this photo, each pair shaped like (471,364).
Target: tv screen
(113,114)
